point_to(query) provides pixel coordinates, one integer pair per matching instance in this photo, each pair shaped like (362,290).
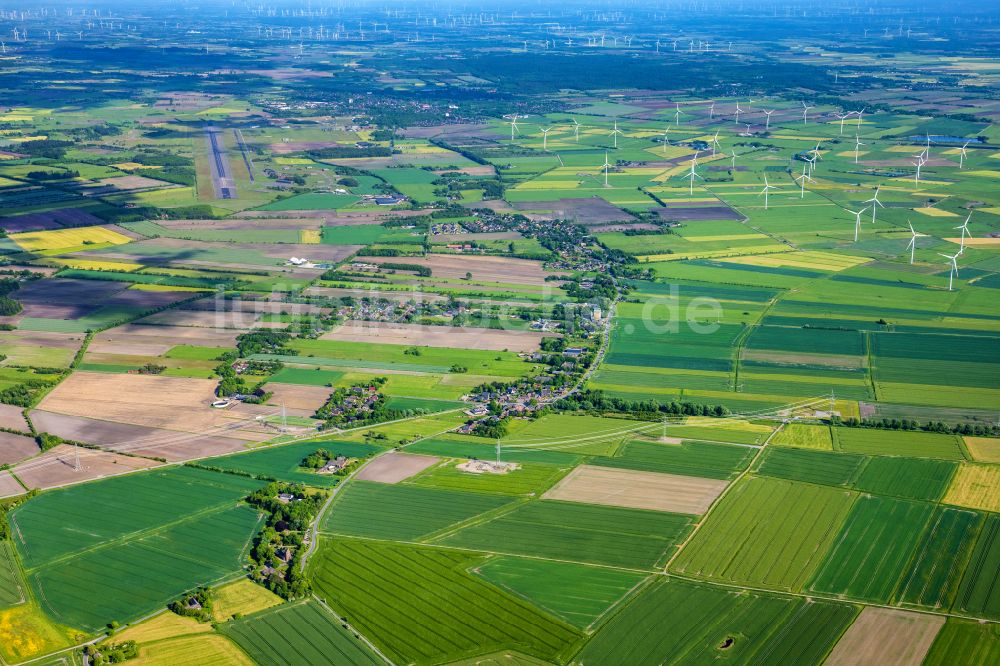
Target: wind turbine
(677,113)
(912,245)
(767,188)
(711,111)
(693,174)
(513,127)
(545,139)
(666,141)
(843,117)
(962,155)
(738,111)
(965,230)
(615,132)
(734,159)
(857,221)
(919,163)
(805,113)
(606,166)
(802,182)
(715,143)
(953,258)
(857,145)
(767,123)
(576,130)
(875,202)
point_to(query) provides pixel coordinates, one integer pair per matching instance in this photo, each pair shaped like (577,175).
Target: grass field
(241,597)
(530,479)
(208,649)
(913,478)
(300,633)
(609,535)
(768,532)
(873,549)
(898,443)
(405,512)
(282,462)
(804,436)
(813,466)
(381,589)
(713,461)
(26,632)
(965,642)
(576,593)
(975,486)
(759,628)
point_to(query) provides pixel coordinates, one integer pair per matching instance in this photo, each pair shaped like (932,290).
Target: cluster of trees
(53,175)
(282,535)
(23,394)
(263,341)
(595,401)
(973,429)
(111,653)
(52,149)
(422,271)
(341,152)
(197,605)
(493,427)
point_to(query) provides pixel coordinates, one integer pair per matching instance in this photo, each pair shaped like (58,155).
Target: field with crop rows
(690,458)
(382,589)
(282,463)
(630,538)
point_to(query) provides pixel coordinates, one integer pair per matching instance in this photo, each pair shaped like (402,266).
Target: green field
(529,479)
(714,461)
(545,583)
(873,549)
(979,593)
(282,462)
(149,528)
(898,443)
(306,376)
(405,512)
(965,642)
(768,532)
(936,568)
(382,589)
(756,628)
(812,466)
(913,478)
(11,585)
(304,632)
(629,538)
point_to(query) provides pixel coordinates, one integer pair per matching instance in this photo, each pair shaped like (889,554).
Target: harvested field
(591,211)
(695,213)
(984,449)
(154,401)
(884,637)
(135,439)
(394,467)
(61,298)
(435,336)
(56,467)
(223,319)
(398,296)
(55,219)
(15,448)
(114,339)
(131,183)
(9,487)
(299,397)
(483,268)
(243,224)
(12,418)
(216,254)
(637,490)
(975,486)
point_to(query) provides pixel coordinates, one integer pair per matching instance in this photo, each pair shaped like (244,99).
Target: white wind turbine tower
(666,140)
(615,132)
(711,111)
(953,258)
(677,113)
(965,230)
(962,155)
(693,174)
(545,139)
(857,146)
(805,113)
(860,115)
(738,112)
(912,245)
(767,123)
(513,127)
(919,163)
(843,117)
(734,159)
(715,143)
(576,130)
(3,48)
(857,221)
(606,166)
(802,182)
(767,188)
(875,202)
